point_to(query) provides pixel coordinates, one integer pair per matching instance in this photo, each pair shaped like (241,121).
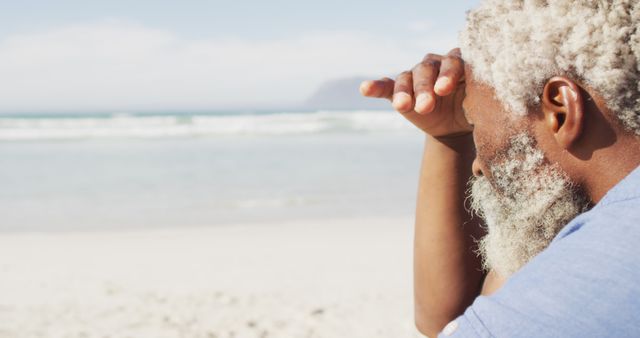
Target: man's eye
(466,117)
(469,122)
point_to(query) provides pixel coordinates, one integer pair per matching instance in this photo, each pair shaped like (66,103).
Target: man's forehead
(467,70)
(481,104)
(467,103)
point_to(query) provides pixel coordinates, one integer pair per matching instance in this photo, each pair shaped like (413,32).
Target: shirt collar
(626,189)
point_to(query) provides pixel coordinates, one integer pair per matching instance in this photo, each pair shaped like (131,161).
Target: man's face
(524,199)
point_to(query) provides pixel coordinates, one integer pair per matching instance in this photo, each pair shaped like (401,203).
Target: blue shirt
(585,284)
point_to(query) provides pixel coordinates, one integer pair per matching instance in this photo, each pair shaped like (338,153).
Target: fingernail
(421,102)
(400,100)
(442,83)
(364,86)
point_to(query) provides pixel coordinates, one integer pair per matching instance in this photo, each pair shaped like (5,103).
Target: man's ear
(563,110)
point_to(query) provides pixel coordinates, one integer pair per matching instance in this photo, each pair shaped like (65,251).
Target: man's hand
(447,271)
(430,95)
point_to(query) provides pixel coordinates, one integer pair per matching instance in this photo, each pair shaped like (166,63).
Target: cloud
(121,65)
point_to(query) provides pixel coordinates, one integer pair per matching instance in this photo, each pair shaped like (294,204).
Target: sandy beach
(340,278)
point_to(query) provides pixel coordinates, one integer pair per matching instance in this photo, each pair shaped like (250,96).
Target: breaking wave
(19,128)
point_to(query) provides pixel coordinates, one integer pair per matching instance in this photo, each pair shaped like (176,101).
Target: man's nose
(476,168)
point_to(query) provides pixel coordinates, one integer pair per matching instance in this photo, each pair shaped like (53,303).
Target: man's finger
(382,88)
(451,72)
(403,93)
(455,52)
(432,58)
(424,77)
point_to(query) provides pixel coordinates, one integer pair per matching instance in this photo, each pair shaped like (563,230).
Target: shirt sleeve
(467,325)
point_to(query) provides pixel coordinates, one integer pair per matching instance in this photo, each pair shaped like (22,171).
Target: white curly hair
(515,46)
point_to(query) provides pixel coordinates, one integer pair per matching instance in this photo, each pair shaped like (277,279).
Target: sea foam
(18,128)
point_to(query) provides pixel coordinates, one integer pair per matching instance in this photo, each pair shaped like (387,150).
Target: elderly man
(547,102)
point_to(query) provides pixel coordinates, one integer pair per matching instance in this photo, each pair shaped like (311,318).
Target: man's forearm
(447,271)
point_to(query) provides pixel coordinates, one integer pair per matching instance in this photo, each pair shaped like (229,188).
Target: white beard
(529,203)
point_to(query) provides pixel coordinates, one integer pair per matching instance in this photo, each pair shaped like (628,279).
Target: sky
(144,55)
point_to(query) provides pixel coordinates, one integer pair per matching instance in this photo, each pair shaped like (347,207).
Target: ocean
(94,172)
